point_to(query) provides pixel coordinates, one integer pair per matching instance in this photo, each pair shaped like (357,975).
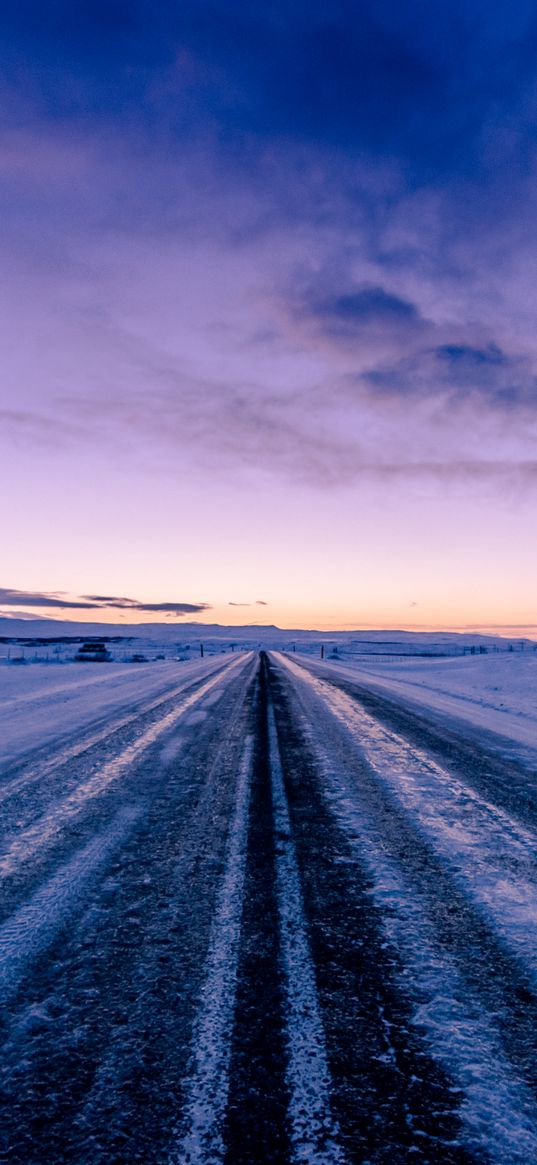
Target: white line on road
(207,1087)
(314,1132)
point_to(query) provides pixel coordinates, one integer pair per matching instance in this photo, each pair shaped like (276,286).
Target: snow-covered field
(493,692)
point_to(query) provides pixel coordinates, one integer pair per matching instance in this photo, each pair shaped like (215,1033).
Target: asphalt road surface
(271,916)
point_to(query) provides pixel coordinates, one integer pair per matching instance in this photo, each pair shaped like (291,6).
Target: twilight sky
(269,311)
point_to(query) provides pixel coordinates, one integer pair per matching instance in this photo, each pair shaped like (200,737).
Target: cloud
(13,598)
(333,301)
(360,308)
(363,126)
(51,432)
(258,603)
(460,371)
(463,355)
(134,605)
(57,599)
(328,435)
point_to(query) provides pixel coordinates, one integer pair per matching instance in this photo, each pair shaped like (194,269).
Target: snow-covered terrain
(43,702)
(496,692)
(269,908)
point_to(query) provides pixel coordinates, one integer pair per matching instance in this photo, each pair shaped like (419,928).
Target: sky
(269,312)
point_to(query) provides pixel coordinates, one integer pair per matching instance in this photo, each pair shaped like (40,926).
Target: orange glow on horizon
(284,619)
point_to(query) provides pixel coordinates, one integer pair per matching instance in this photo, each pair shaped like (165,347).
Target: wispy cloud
(461,371)
(257,603)
(49,431)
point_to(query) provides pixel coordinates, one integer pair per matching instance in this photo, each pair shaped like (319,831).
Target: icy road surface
(263,914)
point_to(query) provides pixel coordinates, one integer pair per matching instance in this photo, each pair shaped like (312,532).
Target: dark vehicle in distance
(93,653)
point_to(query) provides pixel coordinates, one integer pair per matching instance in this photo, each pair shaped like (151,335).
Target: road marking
(35,924)
(314,1132)
(26,844)
(200,1135)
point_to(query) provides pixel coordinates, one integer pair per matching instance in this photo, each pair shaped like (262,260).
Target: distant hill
(254,635)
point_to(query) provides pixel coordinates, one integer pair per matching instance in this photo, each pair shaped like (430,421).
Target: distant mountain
(167,632)
(252,634)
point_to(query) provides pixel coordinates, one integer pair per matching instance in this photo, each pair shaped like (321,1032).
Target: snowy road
(267,916)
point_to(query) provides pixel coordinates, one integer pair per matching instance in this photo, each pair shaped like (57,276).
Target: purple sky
(269,311)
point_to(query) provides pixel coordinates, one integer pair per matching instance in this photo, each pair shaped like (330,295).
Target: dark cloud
(258,603)
(134,605)
(464,356)
(56,599)
(367,305)
(348,314)
(12,598)
(461,372)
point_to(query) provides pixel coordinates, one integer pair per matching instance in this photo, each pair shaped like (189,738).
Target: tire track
(256,951)
(23,776)
(391,1096)
(24,846)
(100,1080)
(491,857)
(34,926)
(314,1133)
(498,1110)
(207,1085)
(490,768)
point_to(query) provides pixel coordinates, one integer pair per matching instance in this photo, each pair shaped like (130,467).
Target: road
(270,916)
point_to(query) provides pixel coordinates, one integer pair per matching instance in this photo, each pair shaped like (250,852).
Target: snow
(490,855)
(495,692)
(40,702)
(313,1130)
(207,1085)
(26,842)
(31,928)
(497,1108)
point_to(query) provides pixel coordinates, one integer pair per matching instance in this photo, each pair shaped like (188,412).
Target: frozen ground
(495,692)
(42,702)
(259,910)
